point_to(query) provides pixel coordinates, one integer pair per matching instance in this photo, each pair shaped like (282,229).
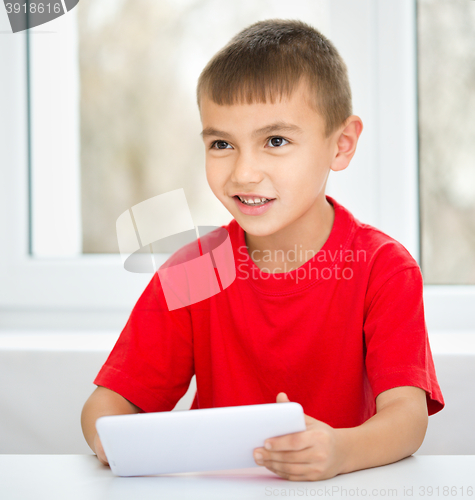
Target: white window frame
(87,291)
(380,187)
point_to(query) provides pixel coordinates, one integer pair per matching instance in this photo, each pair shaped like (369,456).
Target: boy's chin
(259,228)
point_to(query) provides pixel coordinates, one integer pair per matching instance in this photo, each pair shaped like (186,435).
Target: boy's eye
(219,144)
(275,141)
(278,139)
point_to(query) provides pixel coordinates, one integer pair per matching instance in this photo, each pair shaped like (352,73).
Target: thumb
(282,398)
(98,448)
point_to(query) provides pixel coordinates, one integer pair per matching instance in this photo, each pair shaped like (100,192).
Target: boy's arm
(396,431)
(100,403)
(321,452)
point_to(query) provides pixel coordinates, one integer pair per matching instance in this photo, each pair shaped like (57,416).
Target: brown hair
(268,58)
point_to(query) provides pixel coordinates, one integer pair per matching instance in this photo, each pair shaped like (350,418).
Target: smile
(251,207)
(254,202)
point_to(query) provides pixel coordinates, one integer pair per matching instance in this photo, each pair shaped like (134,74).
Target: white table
(71,477)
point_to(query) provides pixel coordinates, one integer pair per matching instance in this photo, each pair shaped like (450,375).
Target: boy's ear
(346,141)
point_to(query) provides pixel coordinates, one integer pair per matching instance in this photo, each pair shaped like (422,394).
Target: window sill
(441,342)
(30,340)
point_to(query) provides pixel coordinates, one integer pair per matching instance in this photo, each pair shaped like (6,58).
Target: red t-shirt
(332,334)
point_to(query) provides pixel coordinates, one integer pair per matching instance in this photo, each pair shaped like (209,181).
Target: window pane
(139,121)
(140,126)
(446,54)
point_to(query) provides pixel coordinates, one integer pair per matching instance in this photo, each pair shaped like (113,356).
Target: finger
(102,459)
(282,398)
(101,455)
(293,441)
(293,472)
(305,472)
(305,456)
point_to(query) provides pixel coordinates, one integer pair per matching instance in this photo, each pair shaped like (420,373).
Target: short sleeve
(151,364)
(396,340)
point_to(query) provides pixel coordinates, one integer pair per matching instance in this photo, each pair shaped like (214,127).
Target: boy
(325,310)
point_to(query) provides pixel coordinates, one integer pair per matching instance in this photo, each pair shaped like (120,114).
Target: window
(101,142)
(446,62)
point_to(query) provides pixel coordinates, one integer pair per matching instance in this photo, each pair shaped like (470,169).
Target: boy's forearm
(395,432)
(102,402)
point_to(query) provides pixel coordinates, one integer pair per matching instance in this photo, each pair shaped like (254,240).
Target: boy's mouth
(253,201)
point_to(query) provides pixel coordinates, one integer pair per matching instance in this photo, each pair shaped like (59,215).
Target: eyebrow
(273,127)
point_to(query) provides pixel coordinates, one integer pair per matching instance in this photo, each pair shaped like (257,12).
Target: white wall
(46,379)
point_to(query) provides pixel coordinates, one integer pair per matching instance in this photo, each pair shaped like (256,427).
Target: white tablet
(194,440)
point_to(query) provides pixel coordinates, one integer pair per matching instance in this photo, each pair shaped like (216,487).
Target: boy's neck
(293,245)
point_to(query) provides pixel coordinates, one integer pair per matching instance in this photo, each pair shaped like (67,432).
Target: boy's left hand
(310,455)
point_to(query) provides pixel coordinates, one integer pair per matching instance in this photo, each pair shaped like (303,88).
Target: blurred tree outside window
(139,121)
(446,79)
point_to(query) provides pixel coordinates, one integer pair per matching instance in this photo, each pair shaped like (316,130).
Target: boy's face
(290,166)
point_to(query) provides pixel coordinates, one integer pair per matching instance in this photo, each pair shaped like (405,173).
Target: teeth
(251,201)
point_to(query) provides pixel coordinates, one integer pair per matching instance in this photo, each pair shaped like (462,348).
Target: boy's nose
(246,170)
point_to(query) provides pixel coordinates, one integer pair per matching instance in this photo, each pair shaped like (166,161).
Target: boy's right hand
(100,450)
